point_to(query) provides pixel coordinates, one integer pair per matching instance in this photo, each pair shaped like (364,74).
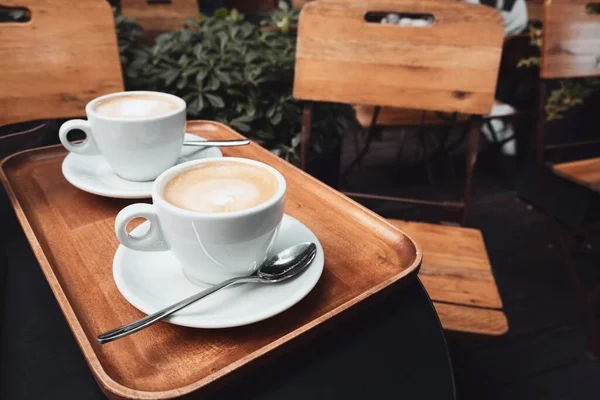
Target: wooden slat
(480,321)
(582,172)
(55,64)
(444,67)
(571,40)
(456,271)
(159,17)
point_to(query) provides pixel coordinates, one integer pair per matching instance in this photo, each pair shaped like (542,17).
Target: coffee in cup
(221,186)
(141,105)
(139,133)
(219,217)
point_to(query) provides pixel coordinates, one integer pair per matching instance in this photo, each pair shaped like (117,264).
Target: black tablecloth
(394,349)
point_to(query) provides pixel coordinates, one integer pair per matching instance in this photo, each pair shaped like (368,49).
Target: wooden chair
(53,65)
(441,68)
(158,16)
(343,58)
(570,49)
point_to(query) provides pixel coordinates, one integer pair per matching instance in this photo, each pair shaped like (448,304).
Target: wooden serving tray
(72,235)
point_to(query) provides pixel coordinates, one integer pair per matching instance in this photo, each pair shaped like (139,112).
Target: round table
(393,348)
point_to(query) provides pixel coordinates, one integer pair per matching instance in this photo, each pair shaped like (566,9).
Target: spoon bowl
(288,263)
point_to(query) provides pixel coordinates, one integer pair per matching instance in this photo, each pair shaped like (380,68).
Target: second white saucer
(92,174)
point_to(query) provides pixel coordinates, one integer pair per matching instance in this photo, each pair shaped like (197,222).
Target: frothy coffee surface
(136,106)
(221,187)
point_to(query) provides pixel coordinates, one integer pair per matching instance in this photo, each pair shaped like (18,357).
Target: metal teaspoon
(282,266)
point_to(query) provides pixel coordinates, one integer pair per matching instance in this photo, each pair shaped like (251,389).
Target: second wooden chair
(444,67)
(450,66)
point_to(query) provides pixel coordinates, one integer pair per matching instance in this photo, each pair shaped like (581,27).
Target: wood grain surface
(570,40)
(457,274)
(471,320)
(156,18)
(449,66)
(583,172)
(53,65)
(72,234)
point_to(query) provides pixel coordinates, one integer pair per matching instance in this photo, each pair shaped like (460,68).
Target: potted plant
(229,70)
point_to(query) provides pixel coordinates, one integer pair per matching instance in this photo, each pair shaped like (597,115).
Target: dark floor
(544,354)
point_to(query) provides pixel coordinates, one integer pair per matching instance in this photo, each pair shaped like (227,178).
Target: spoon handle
(140,324)
(216,143)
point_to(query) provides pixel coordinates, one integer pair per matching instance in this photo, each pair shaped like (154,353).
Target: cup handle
(88,146)
(153,240)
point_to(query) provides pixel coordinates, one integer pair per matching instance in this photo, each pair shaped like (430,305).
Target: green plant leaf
(202,73)
(200,103)
(276,119)
(223,76)
(272,110)
(296,140)
(283,5)
(215,101)
(212,83)
(170,76)
(221,13)
(181,83)
(198,50)
(241,126)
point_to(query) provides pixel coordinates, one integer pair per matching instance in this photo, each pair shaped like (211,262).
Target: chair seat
(457,274)
(583,172)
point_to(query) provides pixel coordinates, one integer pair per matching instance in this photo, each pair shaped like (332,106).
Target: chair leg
(471,159)
(540,145)
(305,135)
(366,147)
(426,156)
(355,137)
(566,252)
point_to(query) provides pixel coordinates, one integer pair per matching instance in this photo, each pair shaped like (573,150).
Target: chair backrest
(570,39)
(158,16)
(451,65)
(54,64)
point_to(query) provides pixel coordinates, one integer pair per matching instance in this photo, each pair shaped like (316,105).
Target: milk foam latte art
(221,186)
(136,106)
(139,134)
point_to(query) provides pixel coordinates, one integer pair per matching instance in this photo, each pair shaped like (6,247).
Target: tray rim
(111,387)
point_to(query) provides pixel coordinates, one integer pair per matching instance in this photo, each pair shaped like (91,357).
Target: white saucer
(92,174)
(153,280)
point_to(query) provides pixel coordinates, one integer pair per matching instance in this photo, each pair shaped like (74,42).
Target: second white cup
(139,133)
